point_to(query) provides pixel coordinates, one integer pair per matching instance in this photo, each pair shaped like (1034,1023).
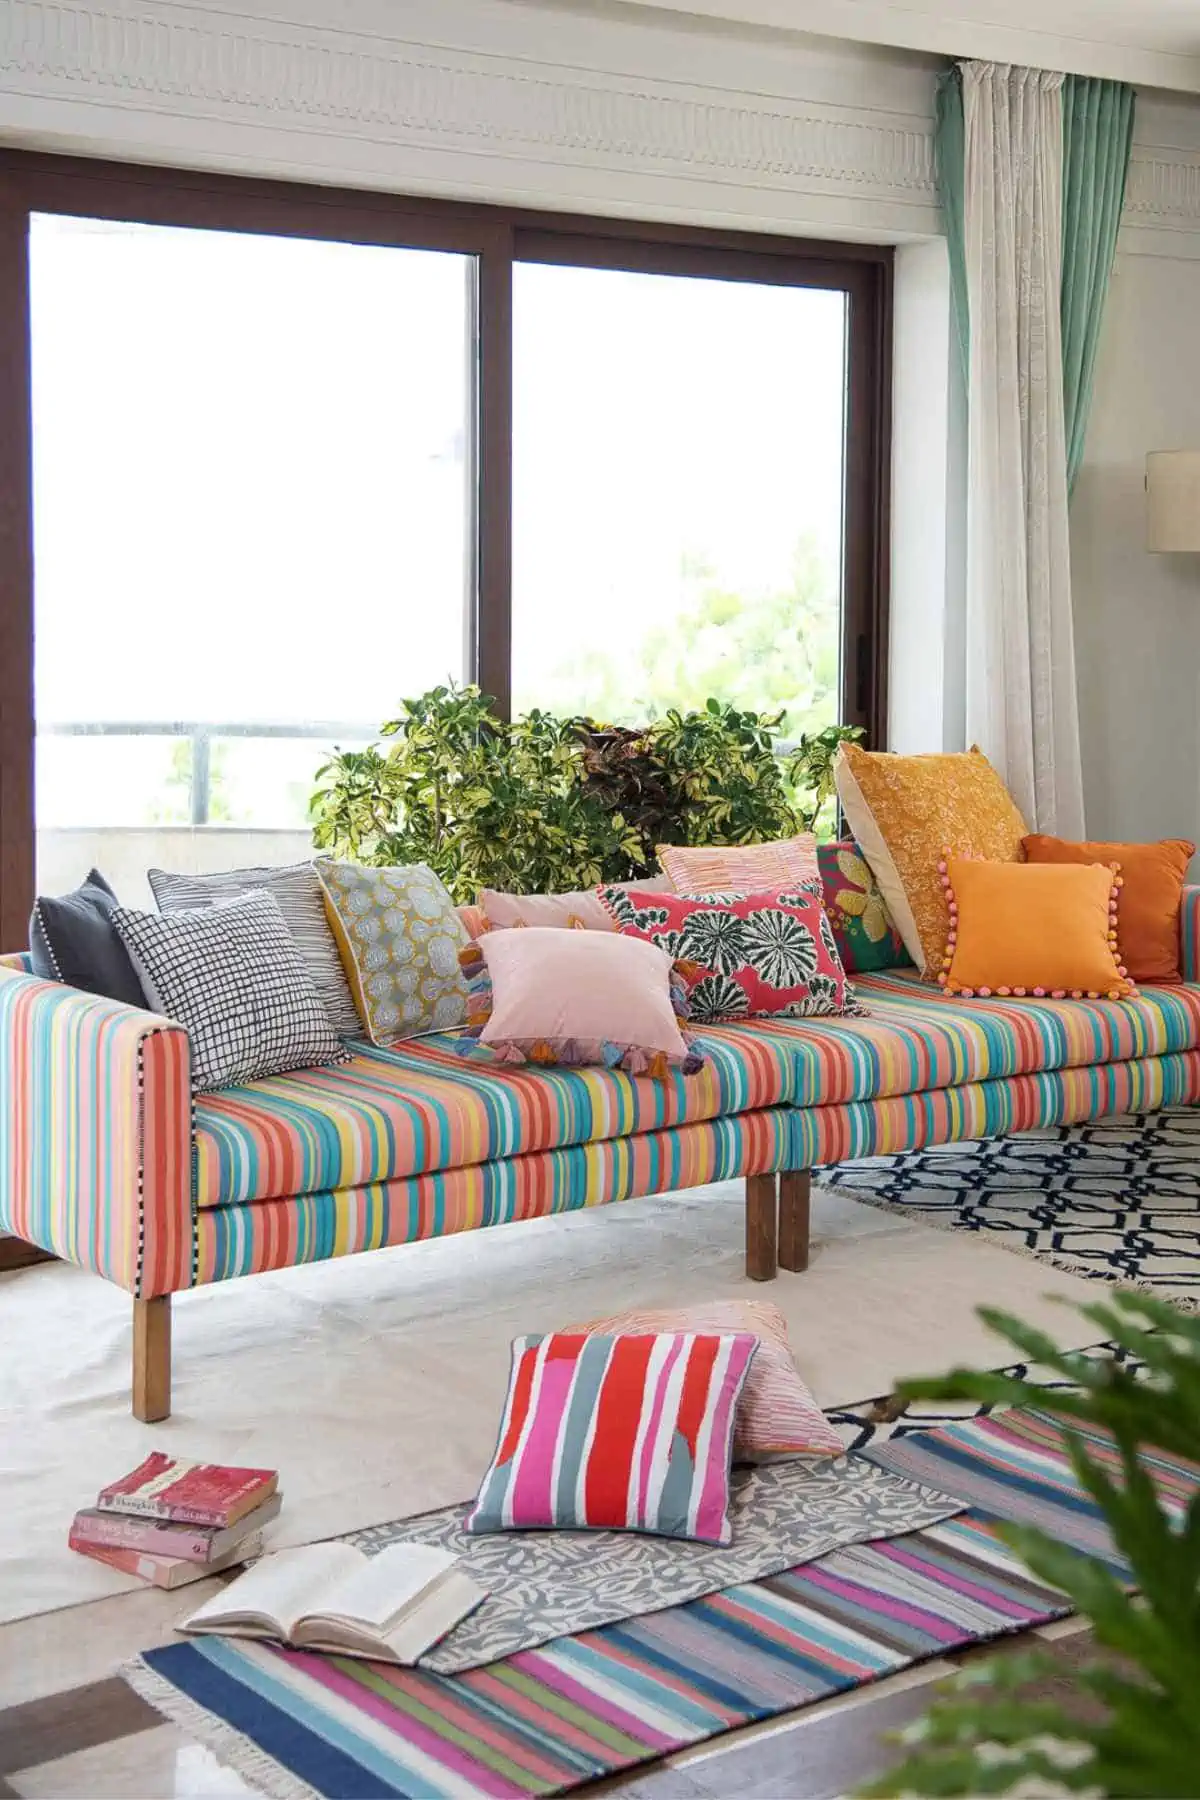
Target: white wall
(1137,615)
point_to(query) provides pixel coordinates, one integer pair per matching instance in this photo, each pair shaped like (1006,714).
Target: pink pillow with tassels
(544,995)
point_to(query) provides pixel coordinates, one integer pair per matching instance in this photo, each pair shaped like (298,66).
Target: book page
(377,1592)
(437,1612)
(280,1589)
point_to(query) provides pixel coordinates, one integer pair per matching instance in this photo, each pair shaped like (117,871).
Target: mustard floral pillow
(399,936)
(905,811)
(866,938)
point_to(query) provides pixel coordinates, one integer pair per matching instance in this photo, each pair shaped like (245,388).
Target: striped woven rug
(1014,1465)
(547,1720)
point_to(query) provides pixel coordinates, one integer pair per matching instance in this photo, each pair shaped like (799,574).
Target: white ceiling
(1155,43)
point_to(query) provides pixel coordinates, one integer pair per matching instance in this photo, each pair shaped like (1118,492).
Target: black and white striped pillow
(232,975)
(301,901)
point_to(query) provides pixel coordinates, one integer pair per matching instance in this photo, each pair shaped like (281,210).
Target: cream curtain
(1020,692)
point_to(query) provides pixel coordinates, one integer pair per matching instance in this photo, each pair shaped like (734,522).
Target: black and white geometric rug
(1117,1200)
(873,1422)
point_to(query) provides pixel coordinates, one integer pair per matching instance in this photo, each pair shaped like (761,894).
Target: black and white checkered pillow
(233,976)
(301,899)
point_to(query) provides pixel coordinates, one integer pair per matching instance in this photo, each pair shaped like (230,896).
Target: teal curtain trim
(949,156)
(1097,138)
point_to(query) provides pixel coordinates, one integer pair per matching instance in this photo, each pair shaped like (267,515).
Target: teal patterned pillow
(862,926)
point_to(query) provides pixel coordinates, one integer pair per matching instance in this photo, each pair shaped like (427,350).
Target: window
(251,511)
(677,494)
(291,455)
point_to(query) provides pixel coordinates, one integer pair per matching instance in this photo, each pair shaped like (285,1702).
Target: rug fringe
(234,1750)
(1186,1303)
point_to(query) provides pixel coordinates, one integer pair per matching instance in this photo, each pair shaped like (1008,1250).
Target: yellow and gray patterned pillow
(399,936)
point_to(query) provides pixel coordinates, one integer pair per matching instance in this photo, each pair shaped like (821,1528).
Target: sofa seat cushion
(916,1038)
(443,1102)
(426,1106)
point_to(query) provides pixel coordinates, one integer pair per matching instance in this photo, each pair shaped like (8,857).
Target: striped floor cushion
(425,1107)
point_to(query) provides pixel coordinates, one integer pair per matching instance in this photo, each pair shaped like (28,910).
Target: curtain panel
(1097,140)
(1031,171)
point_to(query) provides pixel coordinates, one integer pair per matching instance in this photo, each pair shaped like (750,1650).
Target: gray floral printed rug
(545,1584)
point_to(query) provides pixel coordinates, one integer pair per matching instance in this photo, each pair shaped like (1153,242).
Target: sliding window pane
(677,512)
(251,467)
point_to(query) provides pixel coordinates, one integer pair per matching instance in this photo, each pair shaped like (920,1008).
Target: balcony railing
(201,735)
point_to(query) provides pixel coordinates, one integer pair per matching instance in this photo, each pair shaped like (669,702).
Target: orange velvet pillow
(1153,876)
(1032,928)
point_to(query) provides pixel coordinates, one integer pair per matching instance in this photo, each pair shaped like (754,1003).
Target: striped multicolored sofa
(107,1161)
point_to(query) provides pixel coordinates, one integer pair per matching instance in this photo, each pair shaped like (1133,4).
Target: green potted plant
(543,802)
(810,775)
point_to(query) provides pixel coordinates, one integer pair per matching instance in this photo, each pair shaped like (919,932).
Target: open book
(390,1608)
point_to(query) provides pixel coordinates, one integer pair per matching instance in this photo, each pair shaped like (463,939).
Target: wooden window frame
(497,237)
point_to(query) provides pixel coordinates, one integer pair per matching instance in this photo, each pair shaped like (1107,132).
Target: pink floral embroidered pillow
(777,1416)
(544,995)
(748,956)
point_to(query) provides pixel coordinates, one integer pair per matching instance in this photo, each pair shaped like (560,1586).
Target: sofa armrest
(1189,934)
(96,1133)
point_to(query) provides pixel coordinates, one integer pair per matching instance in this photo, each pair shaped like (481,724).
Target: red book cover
(169,1571)
(191,1493)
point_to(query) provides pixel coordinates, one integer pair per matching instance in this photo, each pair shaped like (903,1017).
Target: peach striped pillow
(785,865)
(777,1416)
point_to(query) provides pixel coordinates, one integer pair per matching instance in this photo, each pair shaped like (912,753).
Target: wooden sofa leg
(760,1227)
(152,1359)
(795,1193)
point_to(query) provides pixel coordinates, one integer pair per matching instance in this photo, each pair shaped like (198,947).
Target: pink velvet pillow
(581,909)
(545,995)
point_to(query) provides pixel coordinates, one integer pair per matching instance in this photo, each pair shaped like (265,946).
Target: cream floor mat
(374,1383)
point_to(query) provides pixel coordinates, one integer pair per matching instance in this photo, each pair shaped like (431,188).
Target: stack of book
(172,1521)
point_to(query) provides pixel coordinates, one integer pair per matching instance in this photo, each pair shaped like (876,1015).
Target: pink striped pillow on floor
(777,1416)
(618,1433)
(786,864)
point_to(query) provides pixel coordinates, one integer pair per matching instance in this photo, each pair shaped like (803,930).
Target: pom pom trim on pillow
(952,988)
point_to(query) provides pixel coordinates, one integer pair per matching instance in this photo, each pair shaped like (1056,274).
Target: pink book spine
(112,1531)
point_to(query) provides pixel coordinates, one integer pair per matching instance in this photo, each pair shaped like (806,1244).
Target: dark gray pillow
(72,939)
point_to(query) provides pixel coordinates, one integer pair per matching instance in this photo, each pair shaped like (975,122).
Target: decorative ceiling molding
(155,80)
(159,58)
